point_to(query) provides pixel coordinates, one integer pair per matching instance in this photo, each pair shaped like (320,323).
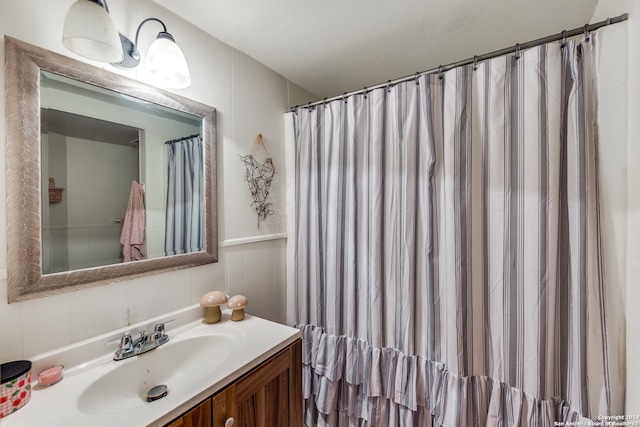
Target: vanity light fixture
(90,32)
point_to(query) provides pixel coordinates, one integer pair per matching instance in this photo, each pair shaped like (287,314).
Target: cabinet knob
(230,422)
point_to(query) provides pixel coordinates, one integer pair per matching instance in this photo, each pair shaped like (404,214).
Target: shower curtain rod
(184,138)
(442,68)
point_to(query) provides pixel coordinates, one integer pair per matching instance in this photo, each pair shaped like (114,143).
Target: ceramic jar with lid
(15,386)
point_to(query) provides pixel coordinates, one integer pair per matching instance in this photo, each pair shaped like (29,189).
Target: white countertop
(254,341)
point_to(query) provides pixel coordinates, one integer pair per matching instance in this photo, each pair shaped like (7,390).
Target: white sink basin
(177,365)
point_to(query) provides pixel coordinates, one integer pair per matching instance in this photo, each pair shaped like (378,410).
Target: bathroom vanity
(245,373)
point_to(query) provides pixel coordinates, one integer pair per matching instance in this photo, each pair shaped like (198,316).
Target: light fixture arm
(136,53)
(130,49)
(102,3)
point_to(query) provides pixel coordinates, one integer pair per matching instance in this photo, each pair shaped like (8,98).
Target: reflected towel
(132,235)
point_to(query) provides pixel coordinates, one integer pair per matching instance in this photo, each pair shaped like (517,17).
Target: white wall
(633,215)
(250,99)
(620,150)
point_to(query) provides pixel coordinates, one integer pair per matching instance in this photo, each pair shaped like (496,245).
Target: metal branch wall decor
(258,177)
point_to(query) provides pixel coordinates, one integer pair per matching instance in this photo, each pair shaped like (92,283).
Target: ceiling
(333,46)
(87,128)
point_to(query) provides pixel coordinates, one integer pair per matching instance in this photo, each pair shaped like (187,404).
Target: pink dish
(50,376)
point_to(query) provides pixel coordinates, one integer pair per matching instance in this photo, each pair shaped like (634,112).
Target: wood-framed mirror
(50,233)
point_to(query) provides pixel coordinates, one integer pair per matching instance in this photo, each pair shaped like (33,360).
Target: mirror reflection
(122,178)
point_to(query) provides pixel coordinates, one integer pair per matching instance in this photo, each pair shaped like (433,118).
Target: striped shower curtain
(448,263)
(184,222)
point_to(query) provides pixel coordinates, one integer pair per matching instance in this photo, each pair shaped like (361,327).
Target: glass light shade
(166,64)
(90,32)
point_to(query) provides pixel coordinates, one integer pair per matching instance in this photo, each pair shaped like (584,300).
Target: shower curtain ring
(365,91)
(440,73)
(564,38)
(418,78)
(475,62)
(344,97)
(587,35)
(517,50)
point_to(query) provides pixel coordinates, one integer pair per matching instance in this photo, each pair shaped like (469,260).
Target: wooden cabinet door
(200,416)
(268,396)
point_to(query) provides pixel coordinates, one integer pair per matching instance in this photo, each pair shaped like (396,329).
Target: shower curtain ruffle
(386,387)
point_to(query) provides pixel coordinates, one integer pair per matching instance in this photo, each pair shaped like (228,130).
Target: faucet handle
(159,333)
(126,341)
(126,346)
(158,329)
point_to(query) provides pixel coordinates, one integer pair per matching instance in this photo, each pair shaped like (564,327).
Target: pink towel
(132,236)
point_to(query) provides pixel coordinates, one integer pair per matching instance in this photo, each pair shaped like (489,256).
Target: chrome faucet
(129,347)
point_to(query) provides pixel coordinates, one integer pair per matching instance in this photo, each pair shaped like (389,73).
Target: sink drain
(158,392)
